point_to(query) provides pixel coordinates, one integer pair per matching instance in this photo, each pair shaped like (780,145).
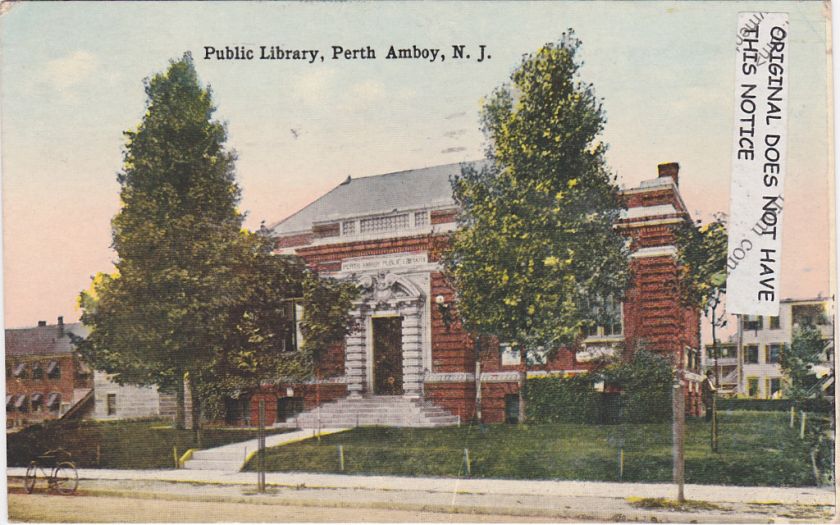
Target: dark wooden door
(387,356)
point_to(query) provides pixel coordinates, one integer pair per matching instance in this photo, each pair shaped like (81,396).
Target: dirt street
(51,508)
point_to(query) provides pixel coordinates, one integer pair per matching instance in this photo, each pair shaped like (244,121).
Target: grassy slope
(756,449)
(122,444)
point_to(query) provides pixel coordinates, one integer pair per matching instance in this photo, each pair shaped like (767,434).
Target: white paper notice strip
(758,164)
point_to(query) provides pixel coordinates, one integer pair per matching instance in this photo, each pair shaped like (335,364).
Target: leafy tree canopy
(537,244)
(193,292)
(804,352)
(702,256)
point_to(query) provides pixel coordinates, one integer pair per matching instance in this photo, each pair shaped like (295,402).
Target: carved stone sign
(364,264)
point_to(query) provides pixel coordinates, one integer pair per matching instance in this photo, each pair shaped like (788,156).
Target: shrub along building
(409,361)
(45,379)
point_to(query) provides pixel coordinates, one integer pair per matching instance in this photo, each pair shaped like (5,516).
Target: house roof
(41,340)
(401,190)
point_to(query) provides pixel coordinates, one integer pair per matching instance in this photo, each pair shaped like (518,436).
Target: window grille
(421,218)
(348,228)
(383,224)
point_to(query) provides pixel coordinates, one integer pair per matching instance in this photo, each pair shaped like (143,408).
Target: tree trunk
(196,411)
(179,405)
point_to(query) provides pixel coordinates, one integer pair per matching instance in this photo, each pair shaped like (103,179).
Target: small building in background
(46,379)
(750,364)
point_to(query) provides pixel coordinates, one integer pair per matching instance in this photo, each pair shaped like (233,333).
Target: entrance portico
(385,354)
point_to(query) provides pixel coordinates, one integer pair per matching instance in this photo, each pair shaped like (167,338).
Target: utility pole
(715,300)
(678,403)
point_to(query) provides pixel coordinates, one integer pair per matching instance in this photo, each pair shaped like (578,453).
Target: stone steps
(374,411)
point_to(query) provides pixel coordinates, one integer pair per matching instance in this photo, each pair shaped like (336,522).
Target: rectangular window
(774,353)
(384,224)
(752,386)
(751,354)
(20,371)
(54,370)
(512,408)
(774,388)
(606,318)
(774,322)
(290,343)
(112,404)
(537,357)
(37,402)
(54,401)
(348,228)
(421,218)
(752,322)
(510,356)
(37,372)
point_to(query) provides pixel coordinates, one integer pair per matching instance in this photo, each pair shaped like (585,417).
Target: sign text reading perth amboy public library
(758,167)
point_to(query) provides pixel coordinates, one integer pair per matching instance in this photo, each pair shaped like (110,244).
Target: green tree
(158,317)
(805,351)
(702,252)
(194,294)
(537,243)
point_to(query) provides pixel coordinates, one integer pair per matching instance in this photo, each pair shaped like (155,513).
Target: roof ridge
(431,171)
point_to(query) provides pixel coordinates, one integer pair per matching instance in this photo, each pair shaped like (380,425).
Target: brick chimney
(670,169)
(42,323)
(60,326)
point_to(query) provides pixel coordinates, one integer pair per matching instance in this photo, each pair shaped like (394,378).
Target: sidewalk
(232,457)
(709,493)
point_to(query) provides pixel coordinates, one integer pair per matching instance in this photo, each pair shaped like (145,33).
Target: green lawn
(756,448)
(122,444)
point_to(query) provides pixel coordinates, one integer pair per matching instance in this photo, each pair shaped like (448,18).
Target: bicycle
(63,477)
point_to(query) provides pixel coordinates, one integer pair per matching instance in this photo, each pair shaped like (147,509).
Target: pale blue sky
(72,82)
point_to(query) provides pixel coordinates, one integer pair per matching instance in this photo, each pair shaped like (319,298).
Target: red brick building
(386,233)
(44,378)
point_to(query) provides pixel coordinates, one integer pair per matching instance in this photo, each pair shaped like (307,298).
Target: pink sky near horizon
(66,101)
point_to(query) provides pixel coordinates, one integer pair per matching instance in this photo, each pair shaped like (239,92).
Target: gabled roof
(402,190)
(42,340)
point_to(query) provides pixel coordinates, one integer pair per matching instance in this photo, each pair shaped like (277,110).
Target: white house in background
(760,341)
(114,401)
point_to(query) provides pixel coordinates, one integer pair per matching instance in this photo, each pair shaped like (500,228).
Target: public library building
(409,362)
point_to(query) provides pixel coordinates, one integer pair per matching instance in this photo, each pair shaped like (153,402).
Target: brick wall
(65,384)
(653,315)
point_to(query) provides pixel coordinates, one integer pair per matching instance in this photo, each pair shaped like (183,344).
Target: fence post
(467,460)
(341,458)
(98,455)
(621,463)
(792,415)
(802,425)
(714,424)
(174,455)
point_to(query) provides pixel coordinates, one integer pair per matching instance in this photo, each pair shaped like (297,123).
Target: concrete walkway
(233,457)
(583,489)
